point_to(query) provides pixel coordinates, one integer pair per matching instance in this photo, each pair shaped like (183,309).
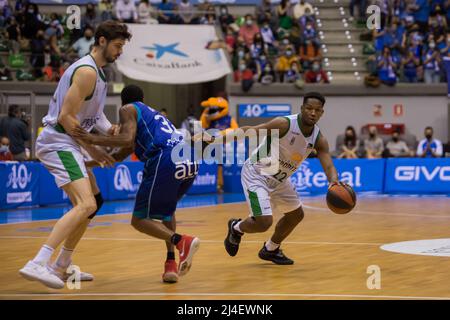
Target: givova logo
(305,178)
(122,179)
(415,173)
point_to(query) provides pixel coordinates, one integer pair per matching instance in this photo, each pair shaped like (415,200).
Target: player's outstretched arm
(323,153)
(126,136)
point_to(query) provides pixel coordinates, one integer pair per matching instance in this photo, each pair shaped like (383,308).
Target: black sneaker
(233,238)
(277,256)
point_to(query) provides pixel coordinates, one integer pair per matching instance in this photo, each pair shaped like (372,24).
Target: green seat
(16,60)
(24,76)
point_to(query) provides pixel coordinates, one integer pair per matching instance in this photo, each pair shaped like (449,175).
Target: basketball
(341,199)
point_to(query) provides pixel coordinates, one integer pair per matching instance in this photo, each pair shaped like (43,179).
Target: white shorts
(66,163)
(264,195)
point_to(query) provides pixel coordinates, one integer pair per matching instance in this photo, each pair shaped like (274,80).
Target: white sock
(64,258)
(271,246)
(44,255)
(237,227)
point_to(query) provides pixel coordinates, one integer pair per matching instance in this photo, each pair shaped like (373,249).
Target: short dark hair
(314,95)
(131,93)
(12,110)
(111,30)
(429,128)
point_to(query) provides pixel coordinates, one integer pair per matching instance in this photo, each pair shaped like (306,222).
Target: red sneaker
(187,247)
(170,274)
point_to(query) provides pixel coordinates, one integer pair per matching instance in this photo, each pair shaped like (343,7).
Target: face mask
(315,67)
(249,22)
(241,54)
(289,53)
(242,67)
(262,58)
(266,27)
(4,149)
(31,11)
(267,69)
(432,45)
(258,46)
(428,136)
(285,41)
(224,11)
(308,27)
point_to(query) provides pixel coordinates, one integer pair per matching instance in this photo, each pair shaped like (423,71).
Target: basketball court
(336,256)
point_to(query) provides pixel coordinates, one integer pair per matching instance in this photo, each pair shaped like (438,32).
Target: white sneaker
(64,275)
(37,272)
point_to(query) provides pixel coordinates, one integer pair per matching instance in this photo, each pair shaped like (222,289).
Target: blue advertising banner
(19,184)
(49,193)
(361,174)
(411,175)
(124,180)
(154,2)
(263,110)
(206,180)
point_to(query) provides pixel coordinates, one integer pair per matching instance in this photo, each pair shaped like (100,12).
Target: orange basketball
(341,199)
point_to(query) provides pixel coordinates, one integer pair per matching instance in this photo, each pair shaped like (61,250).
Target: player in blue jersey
(151,136)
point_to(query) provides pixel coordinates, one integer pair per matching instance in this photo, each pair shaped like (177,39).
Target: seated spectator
(309,54)
(410,64)
(126,11)
(431,62)
(293,74)
(13,34)
(82,46)
(267,34)
(53,71)
(248,30)
(284,17)
(396,147)
(316,74)
(230,40)
(307,17)
(265,12)
(206,12)
(299,9)
(387,66)
(90,18)
(258,47)
(31,21)
(373,146)
(186,12)
(429,147)
(225,18)
(348,149)
(421,12)
(362,4)
(38,47)
(310,34)
(267,75)
(5,154)
(146,13)
(106,8)
(261,63)
(285,62)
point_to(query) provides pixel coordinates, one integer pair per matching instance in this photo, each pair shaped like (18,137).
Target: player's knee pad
(99,201)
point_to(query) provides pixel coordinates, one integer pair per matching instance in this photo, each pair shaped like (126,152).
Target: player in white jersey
(78,102)
(267,190)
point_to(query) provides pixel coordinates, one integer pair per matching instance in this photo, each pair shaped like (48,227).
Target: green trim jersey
(293,149)
(60,154)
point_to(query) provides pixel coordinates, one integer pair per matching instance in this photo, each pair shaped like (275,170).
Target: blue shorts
(163,184)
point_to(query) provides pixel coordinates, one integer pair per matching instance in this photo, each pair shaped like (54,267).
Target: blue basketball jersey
(154,132)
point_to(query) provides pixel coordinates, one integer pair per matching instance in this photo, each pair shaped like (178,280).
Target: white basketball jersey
(90,112)
(293,149)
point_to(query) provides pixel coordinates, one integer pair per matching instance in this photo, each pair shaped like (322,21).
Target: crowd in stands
(15,135)
(411,42)
(395,145)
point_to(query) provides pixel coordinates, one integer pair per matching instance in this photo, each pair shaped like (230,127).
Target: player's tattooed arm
(323,153)
(126,136)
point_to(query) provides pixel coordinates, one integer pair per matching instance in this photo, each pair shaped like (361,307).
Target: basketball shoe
(187,247)
(276,256)
(37,272)
(64,275)
(170,274)
(233,238)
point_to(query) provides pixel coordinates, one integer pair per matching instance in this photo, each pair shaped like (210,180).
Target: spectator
(186,11)
(316,74)
(225,18)
(126,11)
(205,10)
(267,34)
(5,154)
(421,9)
(267,75)
(265,13)
(362,4)
(37,58)
(90,18)
(31,21)
(13,34)
(348,149)
(429,147)
(309,54)
(373,146)
(410,64)
(230,40)
(258,47)
(431,61)
(53,71)
(82,46)
(188,124)
(106,8)
(166,12)
(387,65)
(246,75)
(396,147)
(15,128)
(248,30)
(310,34)
(285,62)
(299,9)
(284,17)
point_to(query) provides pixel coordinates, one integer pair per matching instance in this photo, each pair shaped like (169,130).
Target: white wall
(418,112)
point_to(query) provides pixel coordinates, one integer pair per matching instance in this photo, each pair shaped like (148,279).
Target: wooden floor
(331,253)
